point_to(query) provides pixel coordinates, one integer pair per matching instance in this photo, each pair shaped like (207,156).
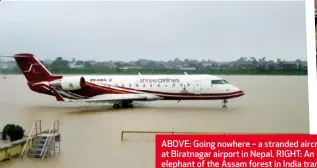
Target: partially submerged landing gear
(225,101)
(127,104)
(116,106)
(123,104)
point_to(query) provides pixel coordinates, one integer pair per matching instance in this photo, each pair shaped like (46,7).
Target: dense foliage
(15,132)
(247,66)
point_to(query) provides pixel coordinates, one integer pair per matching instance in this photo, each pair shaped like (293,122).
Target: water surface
(91,133)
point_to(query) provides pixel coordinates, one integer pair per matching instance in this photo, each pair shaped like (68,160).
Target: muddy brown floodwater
(91,132)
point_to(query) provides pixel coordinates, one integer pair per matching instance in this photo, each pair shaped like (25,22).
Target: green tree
(87,64)
(79,62)
(59,64)
(15,132)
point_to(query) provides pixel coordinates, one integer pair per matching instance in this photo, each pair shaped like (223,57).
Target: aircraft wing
(118,97)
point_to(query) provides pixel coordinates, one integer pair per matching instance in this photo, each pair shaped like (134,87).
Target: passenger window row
(151,85)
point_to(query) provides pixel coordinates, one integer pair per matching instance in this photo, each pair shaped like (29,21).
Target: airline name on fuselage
(159,80)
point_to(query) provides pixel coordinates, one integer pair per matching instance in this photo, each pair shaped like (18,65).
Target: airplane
(123,90)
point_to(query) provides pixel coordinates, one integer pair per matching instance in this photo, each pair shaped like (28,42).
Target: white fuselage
(196,84)
(123,88)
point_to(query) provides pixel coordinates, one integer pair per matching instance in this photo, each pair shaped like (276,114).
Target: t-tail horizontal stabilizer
(14,56)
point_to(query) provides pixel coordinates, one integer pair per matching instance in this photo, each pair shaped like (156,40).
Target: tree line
(249,67)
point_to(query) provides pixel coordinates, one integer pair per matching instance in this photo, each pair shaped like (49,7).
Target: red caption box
(177,151)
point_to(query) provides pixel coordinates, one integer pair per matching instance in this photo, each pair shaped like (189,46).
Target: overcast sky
(127,31)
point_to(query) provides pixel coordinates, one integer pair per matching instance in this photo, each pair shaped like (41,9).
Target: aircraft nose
(234,89)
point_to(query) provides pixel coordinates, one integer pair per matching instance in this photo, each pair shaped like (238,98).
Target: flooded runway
(91,132)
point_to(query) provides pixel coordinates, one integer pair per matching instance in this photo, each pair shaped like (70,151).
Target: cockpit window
(214,82)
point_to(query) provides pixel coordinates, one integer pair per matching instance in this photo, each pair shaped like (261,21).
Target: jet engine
(69,83)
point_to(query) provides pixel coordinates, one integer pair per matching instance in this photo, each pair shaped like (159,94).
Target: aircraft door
(197,87)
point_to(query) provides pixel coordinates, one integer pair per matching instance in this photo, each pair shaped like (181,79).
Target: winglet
(185,73)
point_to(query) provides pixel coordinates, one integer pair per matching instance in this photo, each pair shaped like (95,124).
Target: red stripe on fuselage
(185,94)
(92,89)
(201,97)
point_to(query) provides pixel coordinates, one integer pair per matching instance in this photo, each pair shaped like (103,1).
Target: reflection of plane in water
(122,90)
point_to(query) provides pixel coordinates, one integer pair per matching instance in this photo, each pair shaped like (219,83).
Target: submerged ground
(91,133)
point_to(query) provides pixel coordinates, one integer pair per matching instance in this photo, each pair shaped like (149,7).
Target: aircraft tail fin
(32,69)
